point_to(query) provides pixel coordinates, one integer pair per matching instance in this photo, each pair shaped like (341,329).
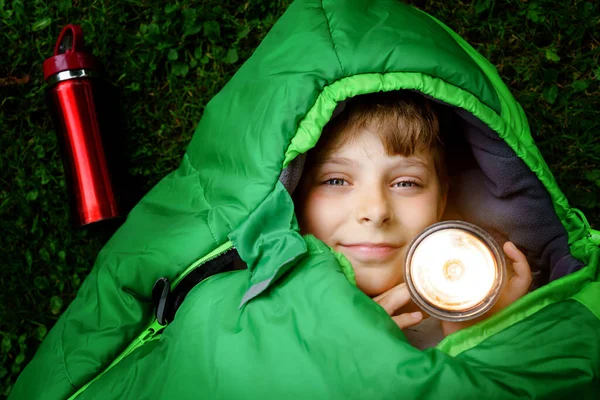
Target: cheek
(320,215)
(421,213)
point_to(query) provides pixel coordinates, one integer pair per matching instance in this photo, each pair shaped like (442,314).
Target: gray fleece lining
(493,188)
(255,290)
(499,192)
(290,176)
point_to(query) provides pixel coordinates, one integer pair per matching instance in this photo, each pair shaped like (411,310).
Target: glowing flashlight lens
(454,270)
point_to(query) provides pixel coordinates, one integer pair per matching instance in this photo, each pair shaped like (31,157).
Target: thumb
(519,284)
(406,320)
(522,279)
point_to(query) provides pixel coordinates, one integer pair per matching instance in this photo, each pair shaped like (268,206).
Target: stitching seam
(331,37)
(186,155)
(62,351)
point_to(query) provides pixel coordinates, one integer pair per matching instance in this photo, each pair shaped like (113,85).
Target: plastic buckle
(160,298)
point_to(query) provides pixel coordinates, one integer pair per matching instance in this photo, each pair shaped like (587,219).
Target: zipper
(154,330)
(218,252)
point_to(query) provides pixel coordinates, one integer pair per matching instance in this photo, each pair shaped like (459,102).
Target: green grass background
(167,59)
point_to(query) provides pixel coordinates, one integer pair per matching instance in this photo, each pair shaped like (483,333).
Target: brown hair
(406,122)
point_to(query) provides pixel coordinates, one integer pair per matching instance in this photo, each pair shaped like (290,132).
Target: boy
(375,180)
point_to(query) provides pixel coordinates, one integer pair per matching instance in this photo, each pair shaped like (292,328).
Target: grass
(166,61)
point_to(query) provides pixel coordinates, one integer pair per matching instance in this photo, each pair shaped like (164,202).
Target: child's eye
(406,184)
(335,182)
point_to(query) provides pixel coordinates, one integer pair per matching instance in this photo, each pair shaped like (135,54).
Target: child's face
(369,206)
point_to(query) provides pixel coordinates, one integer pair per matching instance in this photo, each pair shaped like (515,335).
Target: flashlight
(454,270)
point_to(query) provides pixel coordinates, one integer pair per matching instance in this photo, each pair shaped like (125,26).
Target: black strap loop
(160,294)
(167,302)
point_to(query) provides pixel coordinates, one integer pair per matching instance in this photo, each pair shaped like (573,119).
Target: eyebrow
(404,162)
(414,162)
(339,160)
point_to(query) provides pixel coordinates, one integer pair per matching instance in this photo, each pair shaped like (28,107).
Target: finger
(382,295)
(407,320)
(519,284)
(522,279)
(394,299)
(514,253)
(386,293)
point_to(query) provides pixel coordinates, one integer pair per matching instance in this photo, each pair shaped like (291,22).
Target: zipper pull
(151,332)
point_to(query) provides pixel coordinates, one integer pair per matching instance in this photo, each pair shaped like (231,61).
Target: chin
(373,286)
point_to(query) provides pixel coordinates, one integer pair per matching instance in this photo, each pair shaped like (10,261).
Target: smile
(369,252)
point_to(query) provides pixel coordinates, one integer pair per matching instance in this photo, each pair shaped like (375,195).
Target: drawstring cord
(593,234)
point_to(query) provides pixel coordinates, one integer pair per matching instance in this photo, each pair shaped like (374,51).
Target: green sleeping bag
(291,323)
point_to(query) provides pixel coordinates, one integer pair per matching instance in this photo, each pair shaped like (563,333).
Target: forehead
(368,146)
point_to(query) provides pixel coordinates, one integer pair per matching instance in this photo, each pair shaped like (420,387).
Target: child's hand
(517,287)
(393,300)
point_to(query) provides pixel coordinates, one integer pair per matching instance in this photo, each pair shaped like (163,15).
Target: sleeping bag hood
(286,320)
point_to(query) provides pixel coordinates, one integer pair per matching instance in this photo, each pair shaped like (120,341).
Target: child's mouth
(368,252)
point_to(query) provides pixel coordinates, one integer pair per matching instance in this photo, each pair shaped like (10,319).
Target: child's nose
(374,207)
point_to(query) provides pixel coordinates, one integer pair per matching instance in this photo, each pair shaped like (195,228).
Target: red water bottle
(72,96)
